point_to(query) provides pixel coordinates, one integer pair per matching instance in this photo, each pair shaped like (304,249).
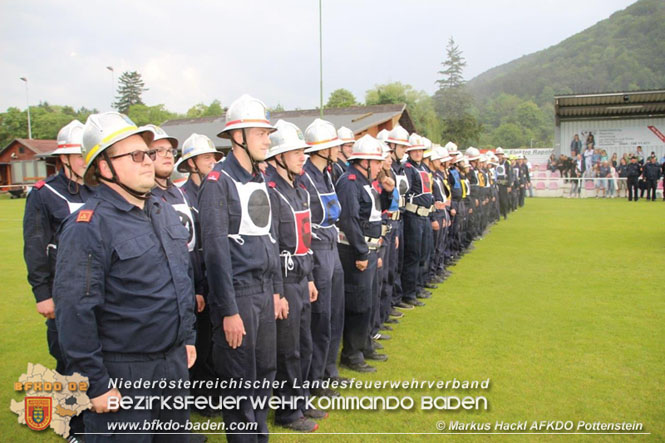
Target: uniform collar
(107,194)
(233,166)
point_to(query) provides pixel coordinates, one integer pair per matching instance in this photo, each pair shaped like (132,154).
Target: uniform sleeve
(349,220)
(277,281)
(214,216)
(36,236)
(77,291)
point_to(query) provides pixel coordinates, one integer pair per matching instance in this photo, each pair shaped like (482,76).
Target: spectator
(575,146)
(611,182)
(596,157)
(640,155)
(551,163)
(651,176)
(590,140)
(622,172)
(588,159)
(633,172)
(614,160)
(603,156)
(576,175)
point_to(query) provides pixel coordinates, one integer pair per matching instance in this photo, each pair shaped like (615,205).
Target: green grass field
(562,307)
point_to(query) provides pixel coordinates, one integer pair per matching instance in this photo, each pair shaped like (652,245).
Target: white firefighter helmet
(346,135)
(103,130)
(415,143)
(472,153)
(195,144)
(499,151)
(382,135)
(287,137)
(441,153)
(161,134)
(321,134)
(245,112)
(399,136)
(451,147)
(367,147)
(70,138)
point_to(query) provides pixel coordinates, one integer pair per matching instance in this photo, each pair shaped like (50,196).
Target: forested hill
(624,52)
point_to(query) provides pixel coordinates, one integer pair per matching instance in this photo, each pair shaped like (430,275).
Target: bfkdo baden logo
(38,412)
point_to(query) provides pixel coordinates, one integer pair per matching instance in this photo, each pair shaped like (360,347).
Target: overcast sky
(196,51)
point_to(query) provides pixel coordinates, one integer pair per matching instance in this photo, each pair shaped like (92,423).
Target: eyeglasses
(139,156)
(163,152)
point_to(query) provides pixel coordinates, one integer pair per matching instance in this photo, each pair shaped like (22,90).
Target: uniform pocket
(135,247)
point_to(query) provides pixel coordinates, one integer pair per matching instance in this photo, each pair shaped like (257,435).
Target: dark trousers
(336,316)
(167,366)
(358,302)
(504,200)
(632,188)
(203,369)
(398,292)
(294,348)
(324,268)
(254,359)
(651,188)
(426,254)
(414,237)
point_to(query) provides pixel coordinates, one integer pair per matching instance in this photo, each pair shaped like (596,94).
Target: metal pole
(27,103)
(320,60)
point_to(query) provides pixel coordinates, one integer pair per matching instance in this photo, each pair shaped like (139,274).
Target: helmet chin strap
(72,185)
(167,178)
(132,192)
(366,169)
(327,158)
(282,164)
(243,145)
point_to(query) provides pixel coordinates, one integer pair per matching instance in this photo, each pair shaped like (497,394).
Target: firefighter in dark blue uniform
(419,201)
(242,264)
(197,158)
(328,310)
(504,179)
(360,230)
(166,148)
(398,142)
(291,219)
(47,206)
(440,215)
(346,136)
(123,290)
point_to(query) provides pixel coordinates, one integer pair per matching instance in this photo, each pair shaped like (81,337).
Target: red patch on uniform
(375,185)
(272,184)
(39,184)
(213,176)
(408,165)
(352,176)
(84,216)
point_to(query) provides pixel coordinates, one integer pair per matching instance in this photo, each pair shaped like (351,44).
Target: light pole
(27,103)
(320,60)
(110,68)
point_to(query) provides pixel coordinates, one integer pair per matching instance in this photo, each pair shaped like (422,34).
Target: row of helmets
(103,130)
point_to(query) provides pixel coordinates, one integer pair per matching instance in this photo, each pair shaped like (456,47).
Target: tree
(453,66)
(129,91)
(418,103)
(201,110)
(143,115)
(341,98)
(452,102)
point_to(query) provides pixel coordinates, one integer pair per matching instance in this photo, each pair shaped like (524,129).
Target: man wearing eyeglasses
(123,284)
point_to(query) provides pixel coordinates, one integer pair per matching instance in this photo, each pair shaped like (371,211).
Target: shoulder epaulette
(352,177)
(84,216)
(272,185)
(39,184)
(213,176)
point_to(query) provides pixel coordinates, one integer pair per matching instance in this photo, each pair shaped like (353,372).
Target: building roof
(609,105)
(356,118)
(39,147)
